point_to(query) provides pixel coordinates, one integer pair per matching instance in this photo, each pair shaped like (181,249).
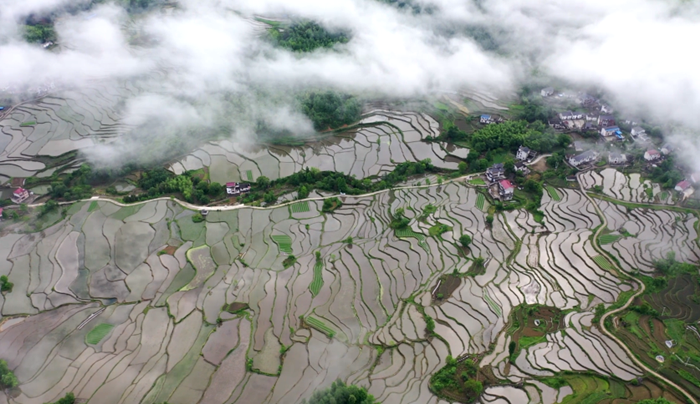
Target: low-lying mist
(208,68)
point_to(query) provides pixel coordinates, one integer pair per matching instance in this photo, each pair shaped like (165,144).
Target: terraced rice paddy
(165,344)
(623,187)
(480,201)
(386,139)
(652,234)
(608,238)
(58,124)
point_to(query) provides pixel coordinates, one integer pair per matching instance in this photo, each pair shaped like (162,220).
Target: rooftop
(506,184)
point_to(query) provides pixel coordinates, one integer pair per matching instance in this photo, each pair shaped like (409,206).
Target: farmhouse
(652,155)
(505,189)
(1,210)
(496,172)
(587,100)
(610,131)
(585,157)
(569,116)
(682,186)
(556,123)
(522,168)
(637,130)
(523,153)
(233,188)
(617,158)
(20,195)
(606,109)
(485,119)
(666,149)
(606,120)
(592,117)
(547,92)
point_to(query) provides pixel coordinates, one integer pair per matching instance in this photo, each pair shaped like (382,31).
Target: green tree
(69,398)
(269,198)
(216,189)
(340,393)
(8,379)
(39,33)
(462,167)
(5,284)
(302,192)
(263,182)
(465,240)
(659,400)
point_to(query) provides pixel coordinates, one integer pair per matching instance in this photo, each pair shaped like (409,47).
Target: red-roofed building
(651,155)
(233,189)
(505,189)
(682,186)
(20,195)
(1,209)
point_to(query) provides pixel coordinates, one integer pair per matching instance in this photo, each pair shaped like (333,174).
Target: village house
(682,186)
(637,131)
(610,131)
(496,172)
(523,153)
(666,149)
(583,158)
(556,123)
(522,168)
(547,92)
(652,155)
(1,210)
(506,189)
(587,101)
(592,117)
(617,158)
(20,195)
(606,109)
(570,116)
(485,119)
(606,120)
(235,189)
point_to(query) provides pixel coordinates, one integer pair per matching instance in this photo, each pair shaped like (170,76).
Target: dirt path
(631,299)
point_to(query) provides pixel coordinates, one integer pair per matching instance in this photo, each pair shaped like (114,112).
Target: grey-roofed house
(617,158)
(583,158)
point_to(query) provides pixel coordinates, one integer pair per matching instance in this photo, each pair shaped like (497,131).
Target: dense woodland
(330,110)
(340,393)
(306,36)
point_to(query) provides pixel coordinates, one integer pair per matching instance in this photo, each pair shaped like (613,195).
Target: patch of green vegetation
(438,229)
(495,307)
(28,123)
(5,284)
(319,325)
(608,238)
(408,232)
(553,193)
(317,281)
(98,333)
(306,36)
(330,110)
(8,380)
(603,262)
(284,242)
(197,218)
(69,398)
(477,181)
(480,200)
(300,207)
(457,379)
(331,204)
(39,33)
(93,206)
(340,393)
(249,175)
(289,261)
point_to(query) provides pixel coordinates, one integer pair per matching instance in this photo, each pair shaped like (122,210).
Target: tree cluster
(307,36)
(69,398)
(666,173)
(669,266)
(5,284)
(39,33)
(74,186)
(330,110)
(340,393)
(8,379)
(159,181)
(510,135)
(447,379)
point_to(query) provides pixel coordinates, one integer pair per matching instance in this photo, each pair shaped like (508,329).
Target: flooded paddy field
(625,187)
(142,305)
(383,140)
(33,133)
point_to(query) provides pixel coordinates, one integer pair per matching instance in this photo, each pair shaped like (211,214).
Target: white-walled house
(617,158)
(523,153)
(637,130)
(652,155)
(547,92)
